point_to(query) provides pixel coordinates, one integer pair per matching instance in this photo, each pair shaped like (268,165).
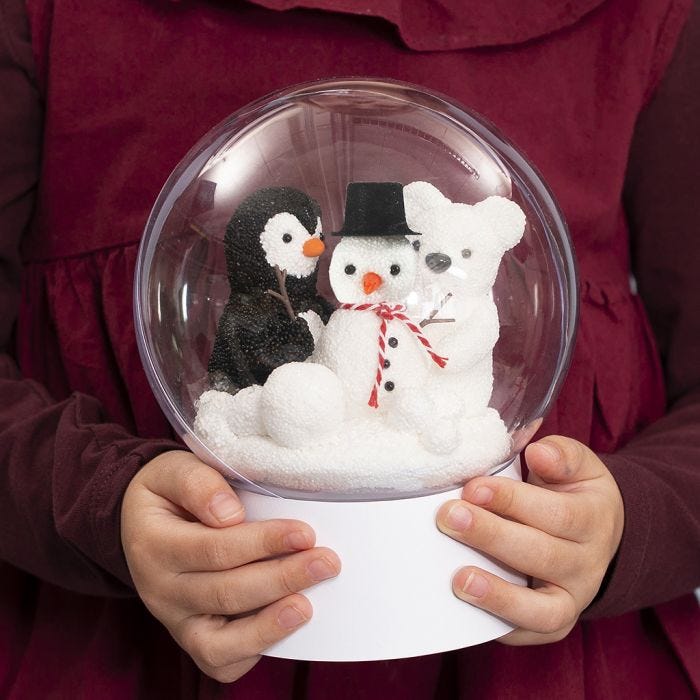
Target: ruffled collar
(443,25)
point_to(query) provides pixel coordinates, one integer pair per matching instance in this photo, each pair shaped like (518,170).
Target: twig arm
(431,319)
(282,295)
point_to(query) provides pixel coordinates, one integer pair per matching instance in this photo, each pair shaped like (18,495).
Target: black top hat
(375,209)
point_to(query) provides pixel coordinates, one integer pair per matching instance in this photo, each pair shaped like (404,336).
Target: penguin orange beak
(371,281)
(313,247)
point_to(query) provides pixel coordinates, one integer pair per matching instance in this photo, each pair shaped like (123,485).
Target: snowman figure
(376,350)
(371,361)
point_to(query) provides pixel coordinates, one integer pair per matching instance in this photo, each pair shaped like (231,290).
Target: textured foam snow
(365,455)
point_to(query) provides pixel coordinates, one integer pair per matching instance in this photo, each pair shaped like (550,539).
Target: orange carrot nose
(313,247)
(371,281)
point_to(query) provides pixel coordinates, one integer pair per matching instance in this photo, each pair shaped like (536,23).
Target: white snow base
(364,455)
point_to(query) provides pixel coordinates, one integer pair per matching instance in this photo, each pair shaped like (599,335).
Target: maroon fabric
(566,82)
(441,25)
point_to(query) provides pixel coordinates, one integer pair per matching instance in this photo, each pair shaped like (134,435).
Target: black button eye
(416,245)
(287,237)
(466,253)
(350,269)
(394,269)
(321,236)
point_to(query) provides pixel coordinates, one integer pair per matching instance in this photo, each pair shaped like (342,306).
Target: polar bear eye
(287,237)
(416,245)
(350,269)
(394,269)
(466,253)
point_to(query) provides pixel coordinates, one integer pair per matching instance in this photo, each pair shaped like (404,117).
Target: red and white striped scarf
(387,312)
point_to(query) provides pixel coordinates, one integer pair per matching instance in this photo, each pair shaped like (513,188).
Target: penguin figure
(272,244)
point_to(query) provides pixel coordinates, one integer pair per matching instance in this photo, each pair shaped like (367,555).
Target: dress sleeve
(658,472)
(63,471)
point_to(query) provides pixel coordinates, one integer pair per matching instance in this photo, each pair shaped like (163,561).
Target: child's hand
(562,529)
(207,575)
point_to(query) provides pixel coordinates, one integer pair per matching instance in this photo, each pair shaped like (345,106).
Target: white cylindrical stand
(393,598)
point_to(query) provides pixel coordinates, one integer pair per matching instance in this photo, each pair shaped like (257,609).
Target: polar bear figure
(460,249)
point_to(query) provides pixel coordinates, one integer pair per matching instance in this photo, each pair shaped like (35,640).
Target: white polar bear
(461,248)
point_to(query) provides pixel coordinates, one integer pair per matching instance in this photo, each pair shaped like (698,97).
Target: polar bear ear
(420,199)
(504,219)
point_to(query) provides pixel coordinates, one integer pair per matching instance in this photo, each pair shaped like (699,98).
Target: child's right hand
(208,576)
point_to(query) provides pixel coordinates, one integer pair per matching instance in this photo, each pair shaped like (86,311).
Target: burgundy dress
(109,95)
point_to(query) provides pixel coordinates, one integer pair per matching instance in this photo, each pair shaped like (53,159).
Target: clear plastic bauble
(355,290)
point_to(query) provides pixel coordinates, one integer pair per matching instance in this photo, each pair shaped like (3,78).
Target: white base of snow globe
(393,598)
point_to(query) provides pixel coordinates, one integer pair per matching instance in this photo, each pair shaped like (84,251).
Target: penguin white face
(373,269)
(289,245)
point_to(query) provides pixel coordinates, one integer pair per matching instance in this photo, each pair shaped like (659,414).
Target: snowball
(301,403)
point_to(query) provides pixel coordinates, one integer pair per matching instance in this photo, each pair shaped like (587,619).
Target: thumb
(186,481)
(560,460)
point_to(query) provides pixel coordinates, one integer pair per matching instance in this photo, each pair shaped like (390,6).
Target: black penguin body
(256,334)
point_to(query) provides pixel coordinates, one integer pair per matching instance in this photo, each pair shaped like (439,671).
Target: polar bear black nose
(438,262)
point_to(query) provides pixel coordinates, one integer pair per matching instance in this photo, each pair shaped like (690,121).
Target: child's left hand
(562,529)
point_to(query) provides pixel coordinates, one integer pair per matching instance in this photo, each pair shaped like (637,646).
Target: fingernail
(551,449)
(297,540)
(459,517)
(290,617)
(224,506)
(321,569)
(475,585)
(482,495)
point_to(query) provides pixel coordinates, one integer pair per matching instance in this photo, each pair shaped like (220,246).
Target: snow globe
(351,297)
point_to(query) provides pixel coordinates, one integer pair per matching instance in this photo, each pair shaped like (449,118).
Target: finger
(229,674)
(255,585)
(226,649)
(190,547)
(182,479)
(519,546)
(521,637)
(559,514)
(546,610)
(561,460)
